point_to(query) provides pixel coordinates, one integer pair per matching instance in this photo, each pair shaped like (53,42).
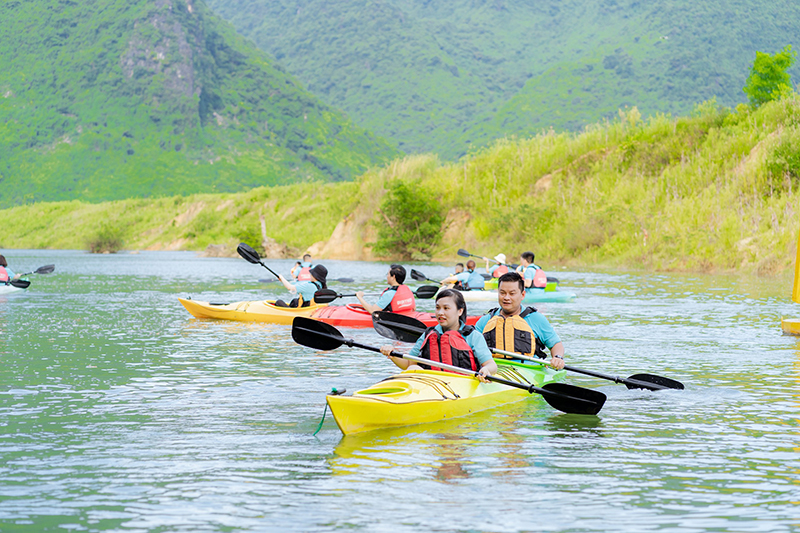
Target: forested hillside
(717,190)
(109,99)
(447,76)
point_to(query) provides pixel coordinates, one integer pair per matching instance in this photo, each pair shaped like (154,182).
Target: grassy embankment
(717,190)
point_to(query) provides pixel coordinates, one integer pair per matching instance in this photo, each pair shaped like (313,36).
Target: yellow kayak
(255,311)
(422,396)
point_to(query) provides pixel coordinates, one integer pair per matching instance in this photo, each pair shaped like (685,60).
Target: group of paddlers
(508,327)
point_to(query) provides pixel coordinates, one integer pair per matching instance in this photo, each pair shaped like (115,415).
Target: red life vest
(3,275)
(403,300)
(305,274)
(540,279)
(450,348)
(499,271)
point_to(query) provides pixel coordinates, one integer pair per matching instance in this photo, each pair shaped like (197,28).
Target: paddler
(301,269)
(6,274)
(396,298)
(533,275)
(467,280)
(451,341)
(305,289)
(513,328)
(498,269)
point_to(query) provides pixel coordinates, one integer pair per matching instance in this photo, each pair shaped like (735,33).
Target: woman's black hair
(458,298)
(3,261)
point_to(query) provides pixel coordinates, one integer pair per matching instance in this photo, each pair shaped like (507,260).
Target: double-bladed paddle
(419,276)
(324,296)
(46,269)
(339,280)
(566,398)
(408,329)
(251,256)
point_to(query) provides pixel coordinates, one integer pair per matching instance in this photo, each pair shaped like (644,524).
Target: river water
(121,412)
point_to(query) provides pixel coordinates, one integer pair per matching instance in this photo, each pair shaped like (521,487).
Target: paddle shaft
(601,375)
(459,370)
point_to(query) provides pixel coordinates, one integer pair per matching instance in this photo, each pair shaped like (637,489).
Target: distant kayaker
(451,341)
(301,269)
(305,289)
(6,274)
(466,280)
(498,269)
(396,298)
(533,275)
(513,328)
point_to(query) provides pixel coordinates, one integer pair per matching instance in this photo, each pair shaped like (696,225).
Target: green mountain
(450,76)
(110,99)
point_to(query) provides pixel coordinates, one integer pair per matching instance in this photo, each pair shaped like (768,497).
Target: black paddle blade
(463,253)
(344,280)
(46,269)
(417,275)
(20,283)
(426,292)
(325,296)
(397,327)
(645,379)
(247,252)
(551,279)
(572,399)
(315,334)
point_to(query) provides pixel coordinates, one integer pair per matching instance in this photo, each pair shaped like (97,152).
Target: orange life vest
(450,348)
(513,334)
(403,300)
(499,271)
(305,274)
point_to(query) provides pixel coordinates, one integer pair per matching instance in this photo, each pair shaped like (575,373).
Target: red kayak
(355,316)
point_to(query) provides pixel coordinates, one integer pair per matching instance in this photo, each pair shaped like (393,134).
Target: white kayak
(531,296)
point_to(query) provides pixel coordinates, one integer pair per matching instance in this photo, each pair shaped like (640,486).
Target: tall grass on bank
(715,190)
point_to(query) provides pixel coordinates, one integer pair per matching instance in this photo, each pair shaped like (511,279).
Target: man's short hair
(527,256)
(398,272)
(512,277)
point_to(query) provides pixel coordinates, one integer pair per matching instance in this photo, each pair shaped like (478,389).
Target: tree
(410,223)
(769,79)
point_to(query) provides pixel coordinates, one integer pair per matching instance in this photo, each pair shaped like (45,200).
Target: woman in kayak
(451,341)
(396,298)
(500,268)
(6,274)
(305,289)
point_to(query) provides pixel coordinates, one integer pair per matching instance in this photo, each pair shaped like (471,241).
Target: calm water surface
(121,412)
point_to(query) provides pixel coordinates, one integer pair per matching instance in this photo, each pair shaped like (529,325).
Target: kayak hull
(348,316)
(255,311)
(531,296)
(790,326)
(10,289)
(423,396)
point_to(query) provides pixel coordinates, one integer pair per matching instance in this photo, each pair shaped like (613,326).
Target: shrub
(410,221)
(107,240)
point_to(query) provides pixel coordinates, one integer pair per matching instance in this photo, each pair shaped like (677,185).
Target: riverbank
(716,191)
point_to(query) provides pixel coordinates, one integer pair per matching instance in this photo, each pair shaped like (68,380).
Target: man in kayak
(498,269)
(451,341)
(301,269)
(513,328)
(468,280)
(6,274)
(534,276)
(396,298)
(305,289)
